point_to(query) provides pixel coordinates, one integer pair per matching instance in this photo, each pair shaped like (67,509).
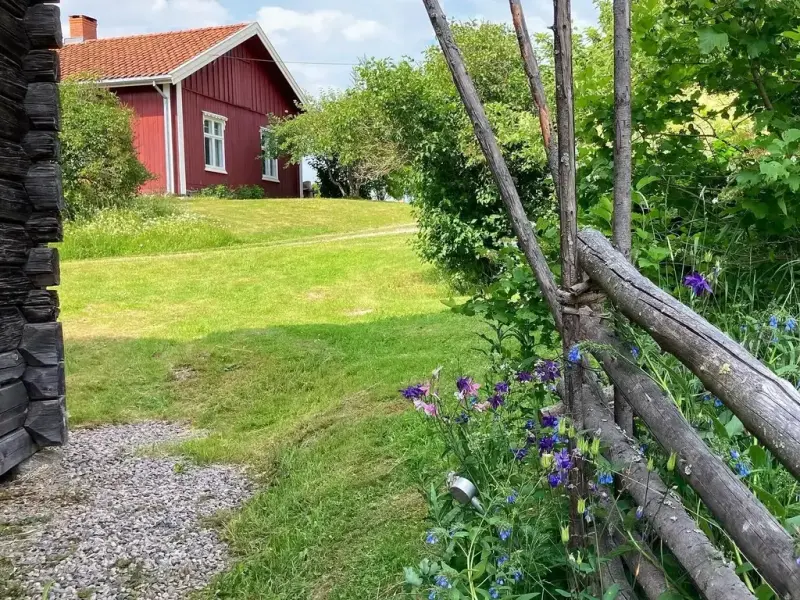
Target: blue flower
(493,593)
(500,581)
(698,283)
(774,339)
(773,322)
(734,455)
(502,387)
(605,479)
(512,498)
(554,480)
(742,469)
(530,424)
(640,512)
(504,533)
(443,582)
(635,352)
(432,595)
(706,397)
(517,575)
(547,371)
(414,392)
(791,324)
(743,327)
(432,538)
(717,402)
(502,560)
(563,460)
(574,354)
(549,421)
(524,377)
(462,419)
(546,444)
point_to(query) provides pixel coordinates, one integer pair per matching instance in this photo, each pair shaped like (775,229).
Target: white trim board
(181,140)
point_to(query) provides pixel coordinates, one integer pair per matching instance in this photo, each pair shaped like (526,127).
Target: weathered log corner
(32,384)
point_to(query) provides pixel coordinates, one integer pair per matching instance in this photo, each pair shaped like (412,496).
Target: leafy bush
(224,192)
(100,165)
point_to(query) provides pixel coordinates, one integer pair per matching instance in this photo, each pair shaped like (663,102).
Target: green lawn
(291,357)
(204,223)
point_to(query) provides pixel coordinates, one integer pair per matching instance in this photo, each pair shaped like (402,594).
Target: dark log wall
(32,389)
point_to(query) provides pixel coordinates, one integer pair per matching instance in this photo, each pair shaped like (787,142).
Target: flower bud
(595,446)
(581,506)
(565,535)
(673,458)
(583,446)
(650,464)
(562,426)
(546,461)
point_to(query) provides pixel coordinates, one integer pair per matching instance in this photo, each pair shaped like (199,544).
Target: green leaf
(734,427)
(564,593)
(782,206)
(711,40)
(612,592)
(792,524)
(670,595)
(748,178)
(757,48)
(792,35)
(412,578)
(758,456)
(745,568)
(773,170)
(771,502)
(791,135)
(719,428)
(764,592)
(645,181)
(794,182)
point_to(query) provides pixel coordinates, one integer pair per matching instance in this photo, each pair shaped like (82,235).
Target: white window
(214,137)
(269,161)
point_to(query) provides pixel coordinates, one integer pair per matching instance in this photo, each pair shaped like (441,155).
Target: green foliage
(348,137)
(225,192)
(100,165)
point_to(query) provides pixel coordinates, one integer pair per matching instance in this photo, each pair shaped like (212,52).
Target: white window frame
(269,166)
(222,121)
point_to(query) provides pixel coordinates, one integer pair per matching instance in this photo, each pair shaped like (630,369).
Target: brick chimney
(82,28)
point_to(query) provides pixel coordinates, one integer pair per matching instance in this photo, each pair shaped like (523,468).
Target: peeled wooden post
(768,406)
(623,160)
(537,88)
(491,150)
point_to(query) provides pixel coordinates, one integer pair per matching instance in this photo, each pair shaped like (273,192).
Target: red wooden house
(201,98)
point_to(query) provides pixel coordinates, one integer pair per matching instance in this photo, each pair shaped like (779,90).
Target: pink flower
(482,406)
(467,388)
(428,409)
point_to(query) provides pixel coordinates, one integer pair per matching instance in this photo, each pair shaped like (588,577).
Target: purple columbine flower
(547,371)
(503,559)
(431,538)
(574,354)
(530,424)
(428,409)
(791,325)
(563,460)
(554,479)
(497,401)
(504,533)
(546,444)
(549,421)
(524,377)
(519,453)
(502,387)
(414,392)
(467,387)
(698,284)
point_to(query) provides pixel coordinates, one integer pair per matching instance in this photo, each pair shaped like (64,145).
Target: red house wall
(148,130)
(244,87)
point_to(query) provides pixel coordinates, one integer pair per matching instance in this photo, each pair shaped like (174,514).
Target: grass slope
(211,223)
(291,357)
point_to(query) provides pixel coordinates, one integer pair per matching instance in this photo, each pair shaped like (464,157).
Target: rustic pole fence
(767,405)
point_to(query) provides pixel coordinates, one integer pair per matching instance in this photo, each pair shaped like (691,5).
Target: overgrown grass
(291,357)
(157,225)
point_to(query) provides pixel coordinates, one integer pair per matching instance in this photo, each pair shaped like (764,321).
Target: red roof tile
(141,55)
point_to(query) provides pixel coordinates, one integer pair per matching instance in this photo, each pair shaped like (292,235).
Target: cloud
(323,25)
(147,16)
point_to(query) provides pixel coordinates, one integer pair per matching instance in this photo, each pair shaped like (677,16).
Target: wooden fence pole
(491,150)
(623,160)
(768,406)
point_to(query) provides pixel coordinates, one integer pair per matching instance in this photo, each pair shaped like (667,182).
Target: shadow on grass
(315,410)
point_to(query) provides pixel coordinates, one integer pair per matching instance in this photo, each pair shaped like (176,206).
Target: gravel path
(98,520)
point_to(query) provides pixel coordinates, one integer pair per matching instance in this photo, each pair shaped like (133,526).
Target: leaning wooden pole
(537,88)
(491,150)
(768,406)
(757,533)
(623,161)
(705,565)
